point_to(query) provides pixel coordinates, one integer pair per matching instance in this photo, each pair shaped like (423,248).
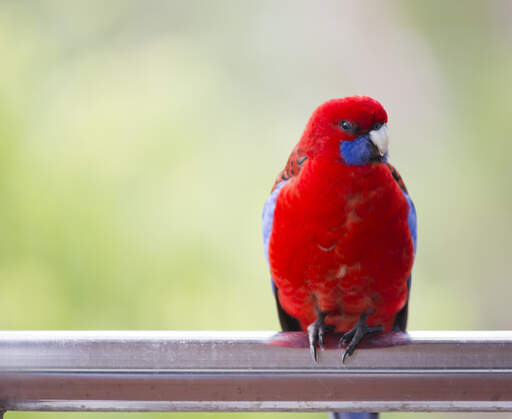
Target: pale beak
(379,138)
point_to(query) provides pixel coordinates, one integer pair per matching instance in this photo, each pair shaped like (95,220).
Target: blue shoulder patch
(267,217)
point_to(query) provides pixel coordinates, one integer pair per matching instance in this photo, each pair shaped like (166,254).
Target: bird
(339,230)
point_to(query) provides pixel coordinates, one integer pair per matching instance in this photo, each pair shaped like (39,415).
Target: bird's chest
(354,226)
(368,226)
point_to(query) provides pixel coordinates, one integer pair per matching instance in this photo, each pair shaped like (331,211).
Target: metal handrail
(253,371)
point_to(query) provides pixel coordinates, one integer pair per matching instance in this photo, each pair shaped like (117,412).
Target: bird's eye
(377,125)
(346,126)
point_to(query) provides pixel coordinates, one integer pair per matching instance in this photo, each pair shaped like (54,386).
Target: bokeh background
(139,140)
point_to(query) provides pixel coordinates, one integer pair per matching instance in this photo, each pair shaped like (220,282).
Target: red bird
(339,228)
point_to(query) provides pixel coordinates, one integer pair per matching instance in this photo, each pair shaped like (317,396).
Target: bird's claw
(316,335)
(354,336)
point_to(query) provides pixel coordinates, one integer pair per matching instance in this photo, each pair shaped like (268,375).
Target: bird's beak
(379,138)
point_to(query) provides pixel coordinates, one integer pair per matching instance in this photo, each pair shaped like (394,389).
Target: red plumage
(340,241)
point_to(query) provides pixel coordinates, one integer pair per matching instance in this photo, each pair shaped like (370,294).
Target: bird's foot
(355,335)
(316,334)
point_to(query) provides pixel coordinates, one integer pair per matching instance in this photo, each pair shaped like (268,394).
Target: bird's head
(353,127)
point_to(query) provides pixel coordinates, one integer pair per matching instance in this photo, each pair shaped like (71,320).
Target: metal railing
(252,371)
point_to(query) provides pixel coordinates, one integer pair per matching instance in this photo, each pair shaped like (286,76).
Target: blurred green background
(139,140)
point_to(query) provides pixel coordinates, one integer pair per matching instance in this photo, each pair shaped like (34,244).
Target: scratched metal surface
(252,371)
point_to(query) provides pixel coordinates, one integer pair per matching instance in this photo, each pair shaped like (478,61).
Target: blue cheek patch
(267,217)
(357,152)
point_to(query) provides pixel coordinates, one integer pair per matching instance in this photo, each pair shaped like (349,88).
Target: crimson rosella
(339,228)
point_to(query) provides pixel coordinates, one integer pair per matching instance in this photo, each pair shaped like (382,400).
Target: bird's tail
(353,415)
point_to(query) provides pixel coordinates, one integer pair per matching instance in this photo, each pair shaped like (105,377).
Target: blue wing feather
(401,318)
(288,323)
(267,218)
(412,220)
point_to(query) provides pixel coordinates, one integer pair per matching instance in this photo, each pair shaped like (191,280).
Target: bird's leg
(355,335)
(316,334)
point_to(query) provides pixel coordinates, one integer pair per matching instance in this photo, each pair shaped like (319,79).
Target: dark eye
(346,126)
(377,125)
